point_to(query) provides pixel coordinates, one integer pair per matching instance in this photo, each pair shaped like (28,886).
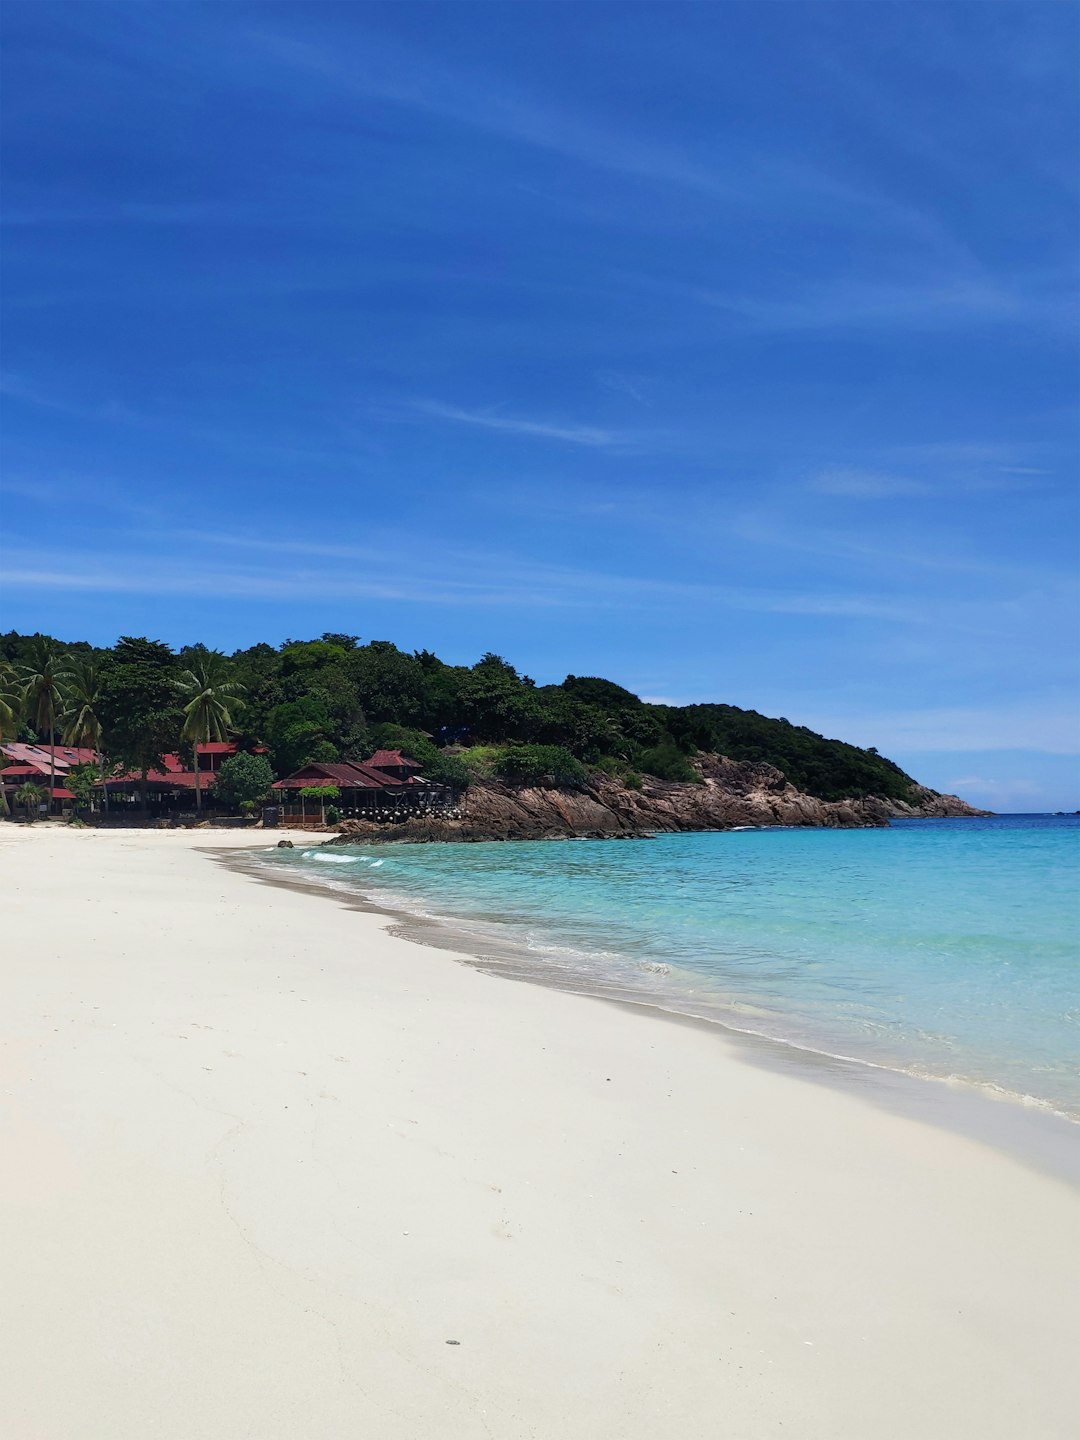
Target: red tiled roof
(60,793)
(343,773)
(390,759)
(164,780)
(66,755)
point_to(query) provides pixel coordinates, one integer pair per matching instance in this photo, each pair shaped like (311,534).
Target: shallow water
(945,948)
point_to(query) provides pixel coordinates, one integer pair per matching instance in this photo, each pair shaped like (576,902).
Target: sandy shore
(263,1162)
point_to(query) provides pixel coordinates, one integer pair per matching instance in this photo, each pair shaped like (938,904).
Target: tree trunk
(198,792)
(104,784)
(142,787)
(52,760)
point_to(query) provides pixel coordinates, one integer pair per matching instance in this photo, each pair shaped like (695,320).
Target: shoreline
(309,1178)
(1022,1126)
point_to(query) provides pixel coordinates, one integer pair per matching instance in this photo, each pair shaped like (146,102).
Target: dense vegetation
(335,698)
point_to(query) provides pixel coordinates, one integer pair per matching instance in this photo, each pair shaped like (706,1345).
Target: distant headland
(488,752)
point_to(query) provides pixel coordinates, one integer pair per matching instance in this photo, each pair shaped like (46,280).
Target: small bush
(632,780)
(539,765)
(333,814)
(480,761)
(667,762)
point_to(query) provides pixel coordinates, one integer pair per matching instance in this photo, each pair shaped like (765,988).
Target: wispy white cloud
(439,573)
(1047,723)
(130,212)
(735,174)
(211,583)
(1001,790)
(394,74)
(919,305)
(633,387)
(854,484)
(591,435)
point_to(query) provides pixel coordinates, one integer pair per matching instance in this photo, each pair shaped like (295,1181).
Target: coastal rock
(731,793)
(930,805)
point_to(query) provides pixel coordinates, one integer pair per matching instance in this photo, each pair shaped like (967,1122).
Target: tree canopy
(244,779)
(337,698)
(139,703)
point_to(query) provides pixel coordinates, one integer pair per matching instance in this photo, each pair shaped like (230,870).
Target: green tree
(11,701)
(82,723)
(82,781)
(298,732)
(667,762)
(139,705)
(389,684)
(31,796)
(43,678)
(539,765)
(11,711)
(498,703)
(209,688)
(583,728)
(244,778)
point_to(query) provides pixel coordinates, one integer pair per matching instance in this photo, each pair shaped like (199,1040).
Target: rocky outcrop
(731,793)
(928,804)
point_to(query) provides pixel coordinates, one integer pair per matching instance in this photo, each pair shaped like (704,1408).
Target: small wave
(332,859)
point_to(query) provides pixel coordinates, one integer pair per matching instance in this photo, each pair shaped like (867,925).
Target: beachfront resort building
(24,762)
(386,786)
(168,789)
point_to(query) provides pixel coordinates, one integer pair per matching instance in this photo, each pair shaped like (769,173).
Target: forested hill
(335,698)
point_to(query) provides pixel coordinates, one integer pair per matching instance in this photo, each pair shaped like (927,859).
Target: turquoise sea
(944,948)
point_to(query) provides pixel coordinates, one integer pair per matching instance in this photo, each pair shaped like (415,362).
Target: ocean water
(944,948)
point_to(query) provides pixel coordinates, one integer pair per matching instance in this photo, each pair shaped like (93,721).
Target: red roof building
(175,776)
(37,756)
(345,774)
(393,762)
(32,763)
(363,788)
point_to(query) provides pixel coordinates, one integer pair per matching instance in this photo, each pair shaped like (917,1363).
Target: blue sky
(725,350)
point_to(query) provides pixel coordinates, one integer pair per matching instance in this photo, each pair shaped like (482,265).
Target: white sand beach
(271,1172)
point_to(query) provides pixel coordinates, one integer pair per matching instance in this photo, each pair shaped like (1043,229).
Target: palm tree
(11,708)
(10,700)
(30,795)
(44,679)
(82,723)
(209,689)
